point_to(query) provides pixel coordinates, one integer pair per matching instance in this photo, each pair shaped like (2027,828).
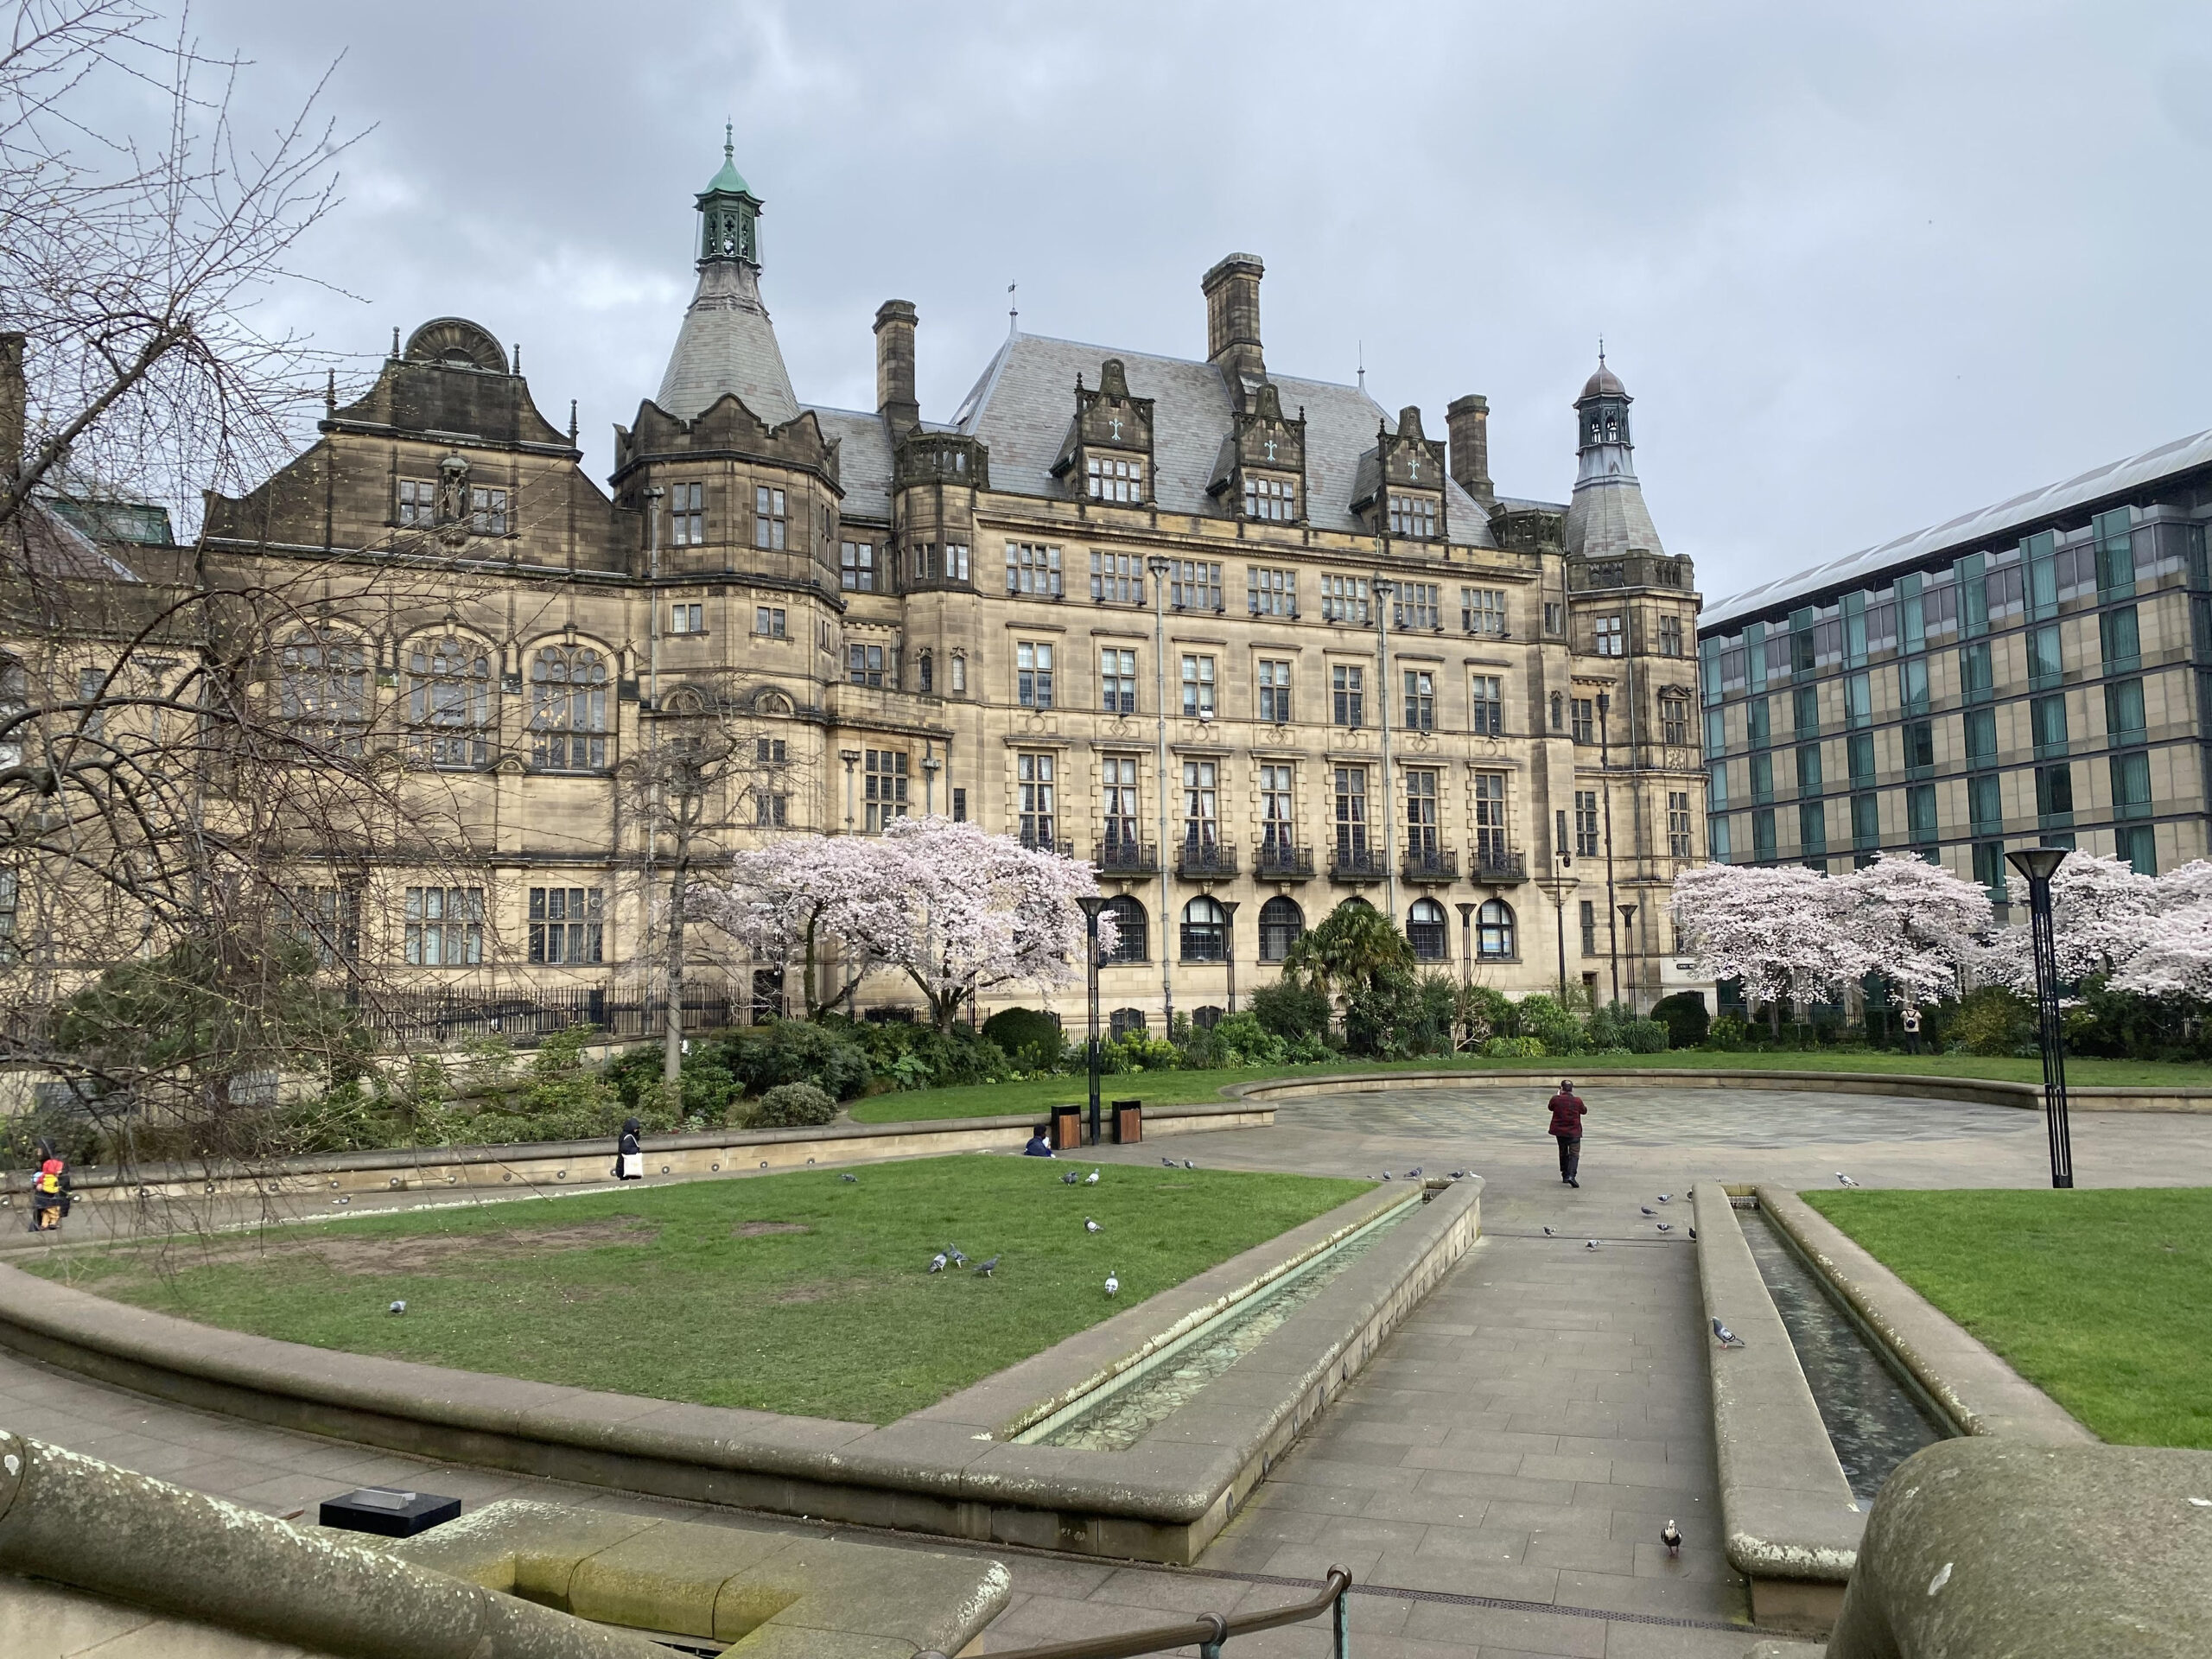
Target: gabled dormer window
(1108,449)
(1116,478)
(1273,500)
(1412,514)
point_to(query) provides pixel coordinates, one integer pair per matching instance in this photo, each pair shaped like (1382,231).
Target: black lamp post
(2038,865)
(1091,906)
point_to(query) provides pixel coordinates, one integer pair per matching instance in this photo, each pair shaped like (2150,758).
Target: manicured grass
(2103,1300)
(1036,1094)
(798,1293)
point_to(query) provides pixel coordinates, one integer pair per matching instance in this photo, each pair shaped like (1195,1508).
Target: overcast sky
(1861,274)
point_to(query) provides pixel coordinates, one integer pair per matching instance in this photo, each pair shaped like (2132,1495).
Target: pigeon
(1646,1209)
(1666,1226)
(1413,1174)
(1113,1284)
(1091,1179)
(1386,1174)
(1549,1234)
(958,1260)
(1168,1163)
(1666,1198)
(984,1268)
(1590,1245)
(1671,1536)
(1693,1232)
(1726,1338)
(1461,1174)
(1067,1178)
(1187,1164)
(396,1307)
(855,1179)
(1845,1179)
(937,1262)
(1090,1226)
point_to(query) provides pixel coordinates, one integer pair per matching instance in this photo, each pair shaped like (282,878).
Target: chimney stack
(1468,420)
(1232,291)
(13,402)
(894,367)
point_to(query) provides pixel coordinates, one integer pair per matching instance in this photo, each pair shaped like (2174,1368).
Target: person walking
(629,1157)
(1566,1128)
(49,1191)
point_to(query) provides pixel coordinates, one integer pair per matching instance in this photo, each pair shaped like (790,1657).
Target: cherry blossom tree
(1784,932)
(1917,923)
(958,910)
(2101,909)
(2166,952)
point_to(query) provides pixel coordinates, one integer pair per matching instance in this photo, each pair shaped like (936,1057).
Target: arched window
(1130,944)
(1207,1017)
(1427,929)
(567,709)
(1206,931)
(928,670)
(1281,923)
(1127,1022)
(1494,940)
(449,702)
(323,689)
(1559,712)
(959,673)
(15,704)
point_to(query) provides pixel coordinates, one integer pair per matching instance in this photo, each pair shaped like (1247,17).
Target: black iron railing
(1127,858)
(1356,864)
(1207,1632)
(1037,843)
(1279,860)
(1430,864)
(1205,859)
(1498,866)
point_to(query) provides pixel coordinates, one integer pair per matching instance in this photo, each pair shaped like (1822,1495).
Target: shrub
(75,1137)
(1308,1049)
(793,1106)
(1727,1034)
(1241,1039)
(1644,1037)
(1514,1048)
(1292,1009)
(1541,1016)
(1484,1013)
(922,1057)
(798,1051)
(1992,1020)
(1683,1014)
(1028,1037)
(1139,1053)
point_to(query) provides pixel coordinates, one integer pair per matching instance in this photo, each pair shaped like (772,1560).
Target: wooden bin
(1128,1122)
(1067,1128)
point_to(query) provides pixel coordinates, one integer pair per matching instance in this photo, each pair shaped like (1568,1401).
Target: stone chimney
(12,402)
(1468,420)
(1232,291)
(894,367)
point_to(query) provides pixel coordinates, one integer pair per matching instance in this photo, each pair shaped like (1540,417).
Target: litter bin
(1067,1128)
(1128,1122)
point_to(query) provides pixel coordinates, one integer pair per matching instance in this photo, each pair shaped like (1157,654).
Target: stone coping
(1791,1523)
(1978,1391)
(948,1468)
(1985,1091)
(74,1521)
(578,1163)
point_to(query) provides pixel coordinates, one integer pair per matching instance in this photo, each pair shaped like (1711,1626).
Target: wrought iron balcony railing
(1204,861)
(1497,866)
(1037,843)
(1280,861)
(1356,864)
(1430,865)
(1127,858)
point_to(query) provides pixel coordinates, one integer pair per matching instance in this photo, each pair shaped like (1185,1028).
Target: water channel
(1124,1410)
(1875,1418)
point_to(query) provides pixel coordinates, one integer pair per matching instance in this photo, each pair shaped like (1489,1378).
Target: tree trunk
(671,1059)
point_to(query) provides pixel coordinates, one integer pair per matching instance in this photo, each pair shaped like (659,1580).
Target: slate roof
(863,460)
(1607,518)
(1022,405)
(728,344)
(1924,547)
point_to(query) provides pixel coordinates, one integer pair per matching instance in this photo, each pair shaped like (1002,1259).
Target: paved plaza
(1496,1479)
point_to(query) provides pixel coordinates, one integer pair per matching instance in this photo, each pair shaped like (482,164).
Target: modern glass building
(2035,673)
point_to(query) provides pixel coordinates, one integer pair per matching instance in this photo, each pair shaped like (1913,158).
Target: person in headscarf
(629,1160)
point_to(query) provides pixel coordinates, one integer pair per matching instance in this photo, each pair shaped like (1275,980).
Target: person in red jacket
(1566,1127)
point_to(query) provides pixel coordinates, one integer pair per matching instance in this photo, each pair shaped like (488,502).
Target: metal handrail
(1208,1630)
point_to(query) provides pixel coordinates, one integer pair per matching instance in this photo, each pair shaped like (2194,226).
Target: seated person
(1038,1147)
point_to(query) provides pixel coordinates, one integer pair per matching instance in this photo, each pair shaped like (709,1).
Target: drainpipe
(1383,592)
(1158,565)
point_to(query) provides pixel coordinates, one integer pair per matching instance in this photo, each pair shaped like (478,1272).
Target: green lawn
(798,1293)
(2103,1300)
(1035,1095)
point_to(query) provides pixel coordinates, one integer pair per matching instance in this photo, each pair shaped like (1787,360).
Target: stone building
(2035,673)
(1247,641)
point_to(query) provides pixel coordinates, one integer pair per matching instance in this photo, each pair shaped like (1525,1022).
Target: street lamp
(931,767)
(1627,926)
(1604,769)
(1466,946)
(2038,865)
(1091,906)
(1229,945)
(1383,591)
(1159,564)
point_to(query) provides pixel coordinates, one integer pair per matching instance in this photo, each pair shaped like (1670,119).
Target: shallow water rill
(1874,1419)
(1117,1415)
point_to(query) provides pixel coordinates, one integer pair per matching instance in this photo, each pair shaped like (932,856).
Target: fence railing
(1207,1632)
(404,1017)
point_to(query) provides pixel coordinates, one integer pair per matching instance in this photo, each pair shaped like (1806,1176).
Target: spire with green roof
(729,212)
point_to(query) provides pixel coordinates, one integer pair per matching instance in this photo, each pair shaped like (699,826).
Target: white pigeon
(937,1262)
(1187,1164)
(1666,1198)
(1091,1179)
(1113,1285)
(1666,1226)
(1089,1226)
(396,1307)
(1845,1179)
(1590,1244)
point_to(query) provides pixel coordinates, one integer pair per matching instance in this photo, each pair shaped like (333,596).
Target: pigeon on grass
(985,1269)
(1068,1178)
(937,1262)
(958,1259)
(1113,1284)
(855,1179)
(1091,1179)
(1090,1226)
(396,1307)
(1187,1164)
(1725,1336)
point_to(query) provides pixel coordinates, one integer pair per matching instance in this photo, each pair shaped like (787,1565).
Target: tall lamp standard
(1229,945)
(1092,904)
(1605,769)
(1159,565)
(1466,944)
(1383,591)
(2038,865)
